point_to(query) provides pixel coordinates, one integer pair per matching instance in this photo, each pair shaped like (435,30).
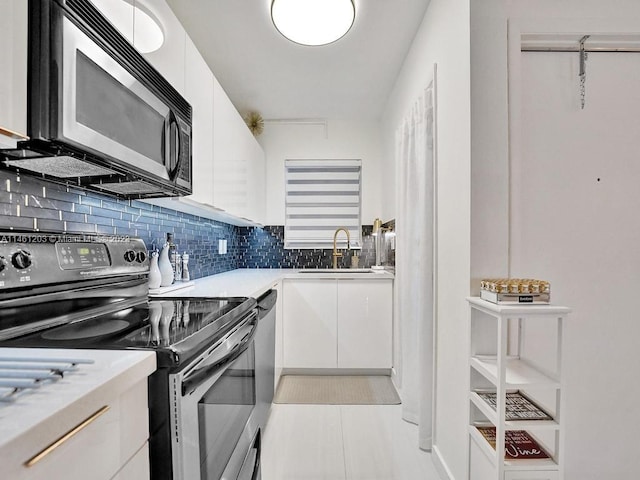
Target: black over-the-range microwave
(99,115)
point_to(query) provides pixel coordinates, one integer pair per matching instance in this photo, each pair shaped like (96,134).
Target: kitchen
(479,209)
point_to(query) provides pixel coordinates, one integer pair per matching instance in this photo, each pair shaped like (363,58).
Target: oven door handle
(201,375)
(252,461)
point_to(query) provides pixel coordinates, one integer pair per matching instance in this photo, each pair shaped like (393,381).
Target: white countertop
(120,369)
(253,282)
(112,370)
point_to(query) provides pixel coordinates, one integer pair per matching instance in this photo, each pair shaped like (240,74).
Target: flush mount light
(313,22)
(147,33)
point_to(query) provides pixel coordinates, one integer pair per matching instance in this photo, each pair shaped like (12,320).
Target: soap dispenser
(185,267)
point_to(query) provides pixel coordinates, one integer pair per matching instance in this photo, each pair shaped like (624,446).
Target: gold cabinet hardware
(11,134)
(81,426)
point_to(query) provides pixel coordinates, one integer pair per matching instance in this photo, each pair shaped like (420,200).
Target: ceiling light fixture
(313,22)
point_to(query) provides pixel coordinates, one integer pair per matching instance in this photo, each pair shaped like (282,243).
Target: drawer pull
(46,451)
(12,134)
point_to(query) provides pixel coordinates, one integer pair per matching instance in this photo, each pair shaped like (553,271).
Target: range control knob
(129,255)
(3,263)
(141,257)
(21,259)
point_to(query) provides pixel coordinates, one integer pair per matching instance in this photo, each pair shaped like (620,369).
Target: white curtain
(414,262)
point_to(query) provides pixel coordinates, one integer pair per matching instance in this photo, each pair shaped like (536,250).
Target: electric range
(91,292)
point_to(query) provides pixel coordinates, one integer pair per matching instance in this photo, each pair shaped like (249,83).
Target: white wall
(618,11)
(575,221)
(583,237)
(443,38)
(489,142)
(342,140)
(467,249)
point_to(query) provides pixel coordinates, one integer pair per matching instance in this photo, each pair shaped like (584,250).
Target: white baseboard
(396,381)
(441,466)
(336,371)
(394,377)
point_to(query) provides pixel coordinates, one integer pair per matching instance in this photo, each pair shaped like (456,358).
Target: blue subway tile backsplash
(27,203)
(264,248)
(30,204)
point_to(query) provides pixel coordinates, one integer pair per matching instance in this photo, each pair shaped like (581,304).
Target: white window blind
(321,196)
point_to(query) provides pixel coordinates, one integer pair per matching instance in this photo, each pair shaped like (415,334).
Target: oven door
(108,111)
(212,427)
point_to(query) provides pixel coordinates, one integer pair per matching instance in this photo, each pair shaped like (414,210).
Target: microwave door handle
(163,144)
(196,378)
(179,150)
(173,163)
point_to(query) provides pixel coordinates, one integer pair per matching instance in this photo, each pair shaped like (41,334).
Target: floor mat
(337,390)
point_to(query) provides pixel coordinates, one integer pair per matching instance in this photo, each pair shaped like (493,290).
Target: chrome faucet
(336,254)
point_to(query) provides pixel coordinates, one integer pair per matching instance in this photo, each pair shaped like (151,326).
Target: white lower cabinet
(137,467)
(111,434)
(364,323)
(337,323)
(279,360)
(310,323)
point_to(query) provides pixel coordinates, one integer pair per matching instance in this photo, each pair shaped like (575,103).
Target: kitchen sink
(336,270)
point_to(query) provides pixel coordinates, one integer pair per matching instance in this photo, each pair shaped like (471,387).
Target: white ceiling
(262,71)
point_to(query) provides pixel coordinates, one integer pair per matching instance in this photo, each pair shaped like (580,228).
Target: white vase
(155,277)
(155,313)
(168,311)
(166,271)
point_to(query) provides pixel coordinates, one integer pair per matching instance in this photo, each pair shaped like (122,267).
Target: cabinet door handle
(12,134)
(81,426)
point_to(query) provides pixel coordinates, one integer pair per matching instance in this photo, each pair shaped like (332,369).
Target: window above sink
(321,197)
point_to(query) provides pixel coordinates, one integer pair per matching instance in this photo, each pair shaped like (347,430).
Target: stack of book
(515,290)
(518,444)
(517,406)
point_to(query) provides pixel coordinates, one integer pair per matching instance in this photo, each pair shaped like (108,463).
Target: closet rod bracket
(583,71)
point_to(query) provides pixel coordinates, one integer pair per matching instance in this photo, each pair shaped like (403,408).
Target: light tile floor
(342,442)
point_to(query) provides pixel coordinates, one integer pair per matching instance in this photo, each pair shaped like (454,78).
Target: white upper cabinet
(239,162)
(170,57)
(198,82)
(228,173)
(230,170)
(228,163)
(13,72)
(257,181)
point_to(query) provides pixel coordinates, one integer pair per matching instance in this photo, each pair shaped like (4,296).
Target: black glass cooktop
(177,328)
